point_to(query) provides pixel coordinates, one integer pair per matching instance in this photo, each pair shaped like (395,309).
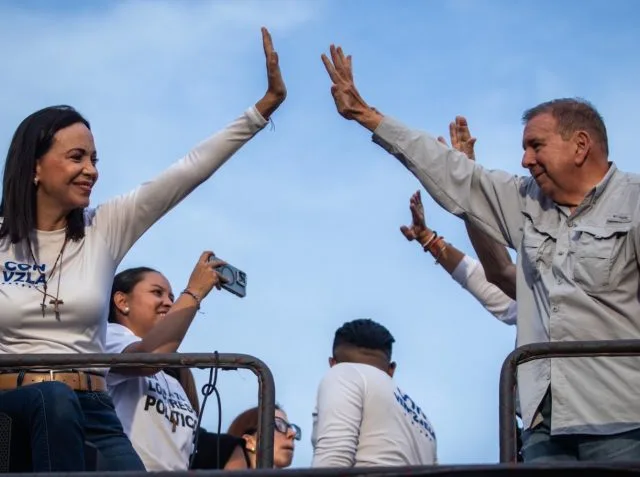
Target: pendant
(55,302)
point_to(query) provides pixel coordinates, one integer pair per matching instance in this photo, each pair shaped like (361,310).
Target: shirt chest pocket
(535,247)
(596,250)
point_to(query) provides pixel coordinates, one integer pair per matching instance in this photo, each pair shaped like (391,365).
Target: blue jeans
(51,422)
(539,446)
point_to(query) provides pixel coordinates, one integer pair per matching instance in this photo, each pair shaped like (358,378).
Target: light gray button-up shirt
(577,275)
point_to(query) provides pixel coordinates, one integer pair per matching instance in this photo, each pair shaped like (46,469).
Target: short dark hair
(364,333)
(246,422)
(573,114)
(30,142)
(124,282)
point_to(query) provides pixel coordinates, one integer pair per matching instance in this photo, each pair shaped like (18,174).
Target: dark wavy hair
(30,142)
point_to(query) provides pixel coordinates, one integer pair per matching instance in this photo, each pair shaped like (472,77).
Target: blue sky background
(311,210)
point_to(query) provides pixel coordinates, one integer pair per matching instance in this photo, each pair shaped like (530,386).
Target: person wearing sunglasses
(245,425)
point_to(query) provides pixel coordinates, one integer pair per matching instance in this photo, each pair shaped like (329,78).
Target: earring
(35,181)
(126,310)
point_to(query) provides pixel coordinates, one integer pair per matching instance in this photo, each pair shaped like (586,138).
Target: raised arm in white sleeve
(470,275)
(124,219)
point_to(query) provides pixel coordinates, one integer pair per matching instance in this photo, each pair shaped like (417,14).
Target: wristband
(186,291)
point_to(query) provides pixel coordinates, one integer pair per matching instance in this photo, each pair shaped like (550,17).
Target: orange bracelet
(434,237)
(433,244)
(438,249)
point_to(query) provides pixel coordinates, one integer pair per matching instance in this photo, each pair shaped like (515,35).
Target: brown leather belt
(76,380)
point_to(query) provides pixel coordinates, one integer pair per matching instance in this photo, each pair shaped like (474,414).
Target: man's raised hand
(348,101)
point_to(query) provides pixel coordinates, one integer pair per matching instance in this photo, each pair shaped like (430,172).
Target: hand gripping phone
(236,279)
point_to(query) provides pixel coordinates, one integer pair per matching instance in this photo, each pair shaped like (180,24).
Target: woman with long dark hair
(58,259)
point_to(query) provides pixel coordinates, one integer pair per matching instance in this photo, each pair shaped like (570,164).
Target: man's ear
(582,143)
(332,362)
(392,368)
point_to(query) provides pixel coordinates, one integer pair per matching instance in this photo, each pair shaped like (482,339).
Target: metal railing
(566,469)
(225,361)
(531,352)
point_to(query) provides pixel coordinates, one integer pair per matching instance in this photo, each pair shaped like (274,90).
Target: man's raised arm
(491,200)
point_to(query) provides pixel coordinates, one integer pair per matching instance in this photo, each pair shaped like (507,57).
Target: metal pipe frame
(533,351)
(567,469)
(225,361)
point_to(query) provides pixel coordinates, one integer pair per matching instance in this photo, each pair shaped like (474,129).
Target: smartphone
(236,279)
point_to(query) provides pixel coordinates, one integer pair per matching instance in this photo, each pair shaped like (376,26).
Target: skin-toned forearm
(369,118)
(450,259)
(495,259)
(166,336)
(268,105)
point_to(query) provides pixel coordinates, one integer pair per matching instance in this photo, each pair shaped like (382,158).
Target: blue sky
(311,210)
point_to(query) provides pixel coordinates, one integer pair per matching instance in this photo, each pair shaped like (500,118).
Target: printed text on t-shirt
(169,404)
(23,273)
(415,413)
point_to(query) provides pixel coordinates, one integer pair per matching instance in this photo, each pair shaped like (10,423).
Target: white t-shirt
(89,265)
(470,275)
(154,410)
(363,419)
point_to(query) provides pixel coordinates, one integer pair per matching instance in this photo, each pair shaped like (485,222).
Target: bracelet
(433,237)
(437,248)
(186,291)
(443,252)
(432,244)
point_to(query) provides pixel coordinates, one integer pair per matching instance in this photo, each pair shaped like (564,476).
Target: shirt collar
(595,193)
(599,188)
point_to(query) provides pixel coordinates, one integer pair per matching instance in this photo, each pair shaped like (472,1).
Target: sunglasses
(283,426)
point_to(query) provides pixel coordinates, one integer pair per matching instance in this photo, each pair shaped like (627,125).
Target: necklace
(55,301)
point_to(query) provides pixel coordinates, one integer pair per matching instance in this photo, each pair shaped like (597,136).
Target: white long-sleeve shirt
(364,419)
(88,265)
(470,275)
